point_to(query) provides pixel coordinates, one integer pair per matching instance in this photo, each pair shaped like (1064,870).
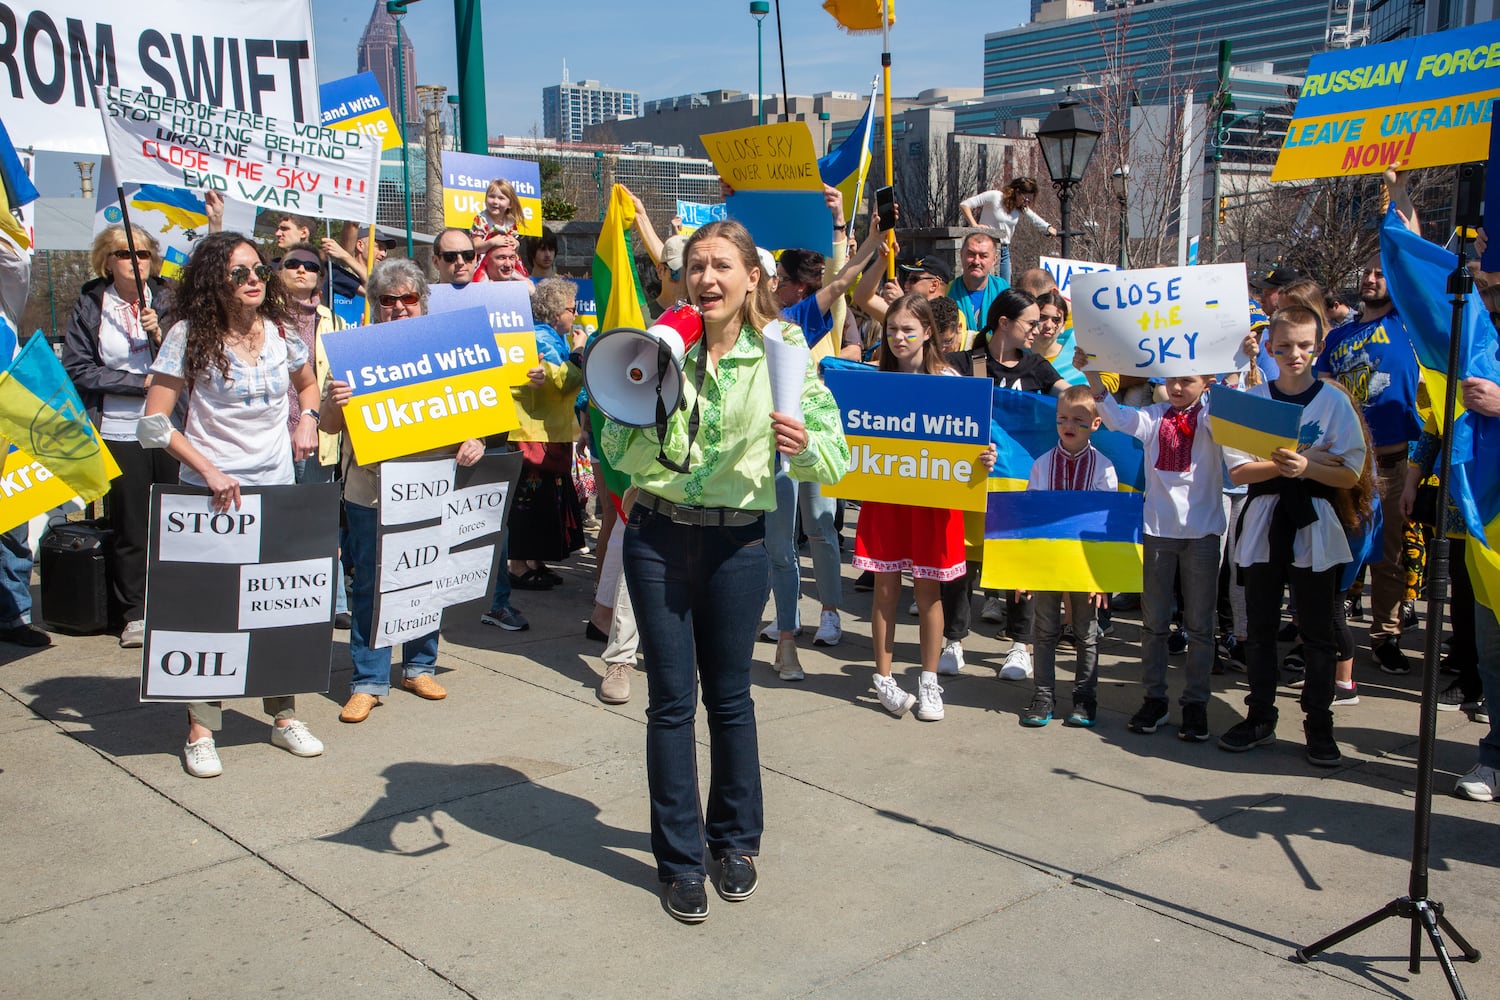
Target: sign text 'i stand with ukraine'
(913,439)
(422,383)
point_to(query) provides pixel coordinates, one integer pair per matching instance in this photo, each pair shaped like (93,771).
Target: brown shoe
(357,708)
(614,689)
(424,686)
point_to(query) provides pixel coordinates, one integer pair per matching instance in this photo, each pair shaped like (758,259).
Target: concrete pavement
(495,844)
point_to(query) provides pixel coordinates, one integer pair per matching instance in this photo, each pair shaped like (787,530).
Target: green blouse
(734,454)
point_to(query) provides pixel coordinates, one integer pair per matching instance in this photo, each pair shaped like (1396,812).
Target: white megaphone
(624,367)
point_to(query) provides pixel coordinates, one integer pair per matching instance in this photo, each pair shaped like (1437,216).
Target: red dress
(928,542)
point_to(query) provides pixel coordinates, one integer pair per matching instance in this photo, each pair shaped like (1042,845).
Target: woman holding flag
(231,355)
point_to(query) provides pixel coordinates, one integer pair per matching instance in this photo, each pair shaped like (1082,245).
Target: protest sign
(438,540)
(1422,102)
(355,104)
(248,55)
(1163,320)
(1253,424)
(585,309)
(240,603)
(267,162)
(1491,259)
(175,216)
(422,383)
(1062,271)
(694,214)
(778,192)
(508,306)
(913,439)
(1067,541)
(466,177)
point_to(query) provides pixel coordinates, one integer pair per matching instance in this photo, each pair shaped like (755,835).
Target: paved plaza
(495,844)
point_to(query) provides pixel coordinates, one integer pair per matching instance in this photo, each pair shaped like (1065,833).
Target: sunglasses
(126,254)
(300,264)
(450,256)
(240,274)
(408,299)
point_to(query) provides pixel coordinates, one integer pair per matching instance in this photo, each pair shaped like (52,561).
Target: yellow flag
(860,15)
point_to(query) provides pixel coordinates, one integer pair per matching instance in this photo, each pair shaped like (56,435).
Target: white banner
(1063,270)
(248,55)
(267,162)
(177,218)
(1163,320)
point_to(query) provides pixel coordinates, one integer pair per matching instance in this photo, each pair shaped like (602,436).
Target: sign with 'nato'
(422,383)
(1163,321)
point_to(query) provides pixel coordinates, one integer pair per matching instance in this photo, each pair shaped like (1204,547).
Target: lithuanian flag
(41,414)
(619,300)
(1072,541)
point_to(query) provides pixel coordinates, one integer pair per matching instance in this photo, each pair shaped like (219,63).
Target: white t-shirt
(1329,418)
(1178,504)
(123,347)
(240,424)
(989,209)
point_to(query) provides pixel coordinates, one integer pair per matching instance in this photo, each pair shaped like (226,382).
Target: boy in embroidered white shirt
(1184,521)
(1074,464)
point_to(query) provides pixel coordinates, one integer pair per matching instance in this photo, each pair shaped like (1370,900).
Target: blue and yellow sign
(507,304)
(423,383)
(913,439)
(585,308)
(467,176)
(355,104)
(1068,541)
(1421,102)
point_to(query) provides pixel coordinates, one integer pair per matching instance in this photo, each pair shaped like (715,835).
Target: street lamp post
(758,10)
(825,118)
(1067,138)
(1120,181)
(453,106)
(397,10)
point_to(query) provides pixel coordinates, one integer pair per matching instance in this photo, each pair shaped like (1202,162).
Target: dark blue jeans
(698,594)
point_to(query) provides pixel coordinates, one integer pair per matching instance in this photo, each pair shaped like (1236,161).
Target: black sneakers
(1194,726)
(1040,712)
(1247,735)
(1453,699)
(1153,713)
(1322,748)
(1389,658)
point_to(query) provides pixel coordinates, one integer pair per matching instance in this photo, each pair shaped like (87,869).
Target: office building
(569,108)
(377,54)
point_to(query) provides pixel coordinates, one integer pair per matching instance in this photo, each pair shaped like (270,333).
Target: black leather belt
(703,517)
(1390,459)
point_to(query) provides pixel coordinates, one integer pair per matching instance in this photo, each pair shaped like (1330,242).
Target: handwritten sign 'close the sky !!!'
(1163,320)
(268,162)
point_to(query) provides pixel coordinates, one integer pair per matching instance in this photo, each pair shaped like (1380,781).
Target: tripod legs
(1425,915)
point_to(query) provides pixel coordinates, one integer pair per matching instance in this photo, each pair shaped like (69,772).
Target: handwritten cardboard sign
(913,439)
(1163,320)
(1424,101)
(1062,270)
(422,383)
(778,192)
(694,214)
(466,177)
(268,162)
(355,104)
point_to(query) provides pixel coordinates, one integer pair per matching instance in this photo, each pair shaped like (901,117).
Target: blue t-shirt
(815,322)
(1374,360)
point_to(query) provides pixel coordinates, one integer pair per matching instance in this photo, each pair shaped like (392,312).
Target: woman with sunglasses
(232,356)
(398,290)
(112,337)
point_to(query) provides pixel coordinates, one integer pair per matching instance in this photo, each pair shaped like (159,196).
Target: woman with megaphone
(696,565)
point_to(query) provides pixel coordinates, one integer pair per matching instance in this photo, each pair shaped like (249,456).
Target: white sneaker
(295,738)
(951,660)
(1017,664)
(133,635)
(929,698)
(773,634)
(1479,784)
(895,700)
(913,610)
(830,630)
(993,612)
(202,758)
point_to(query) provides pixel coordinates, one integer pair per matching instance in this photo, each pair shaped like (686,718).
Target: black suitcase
(75,579)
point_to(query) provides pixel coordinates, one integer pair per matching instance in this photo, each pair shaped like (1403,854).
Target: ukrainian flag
(16,190)
(618,299)
(181,208)
(1253,424)
(1416,273)
(1073,541)
(41,414)
(846,167)
(1023,428)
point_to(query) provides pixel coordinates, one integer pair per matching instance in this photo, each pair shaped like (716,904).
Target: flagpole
(885,72)
(135,264)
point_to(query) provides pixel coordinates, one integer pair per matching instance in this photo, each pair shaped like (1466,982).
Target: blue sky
(673,47)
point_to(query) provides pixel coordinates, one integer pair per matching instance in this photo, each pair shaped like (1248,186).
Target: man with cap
(977,287)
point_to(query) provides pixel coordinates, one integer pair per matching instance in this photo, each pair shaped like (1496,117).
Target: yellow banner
(778,157)
(913,472)
(424,415)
